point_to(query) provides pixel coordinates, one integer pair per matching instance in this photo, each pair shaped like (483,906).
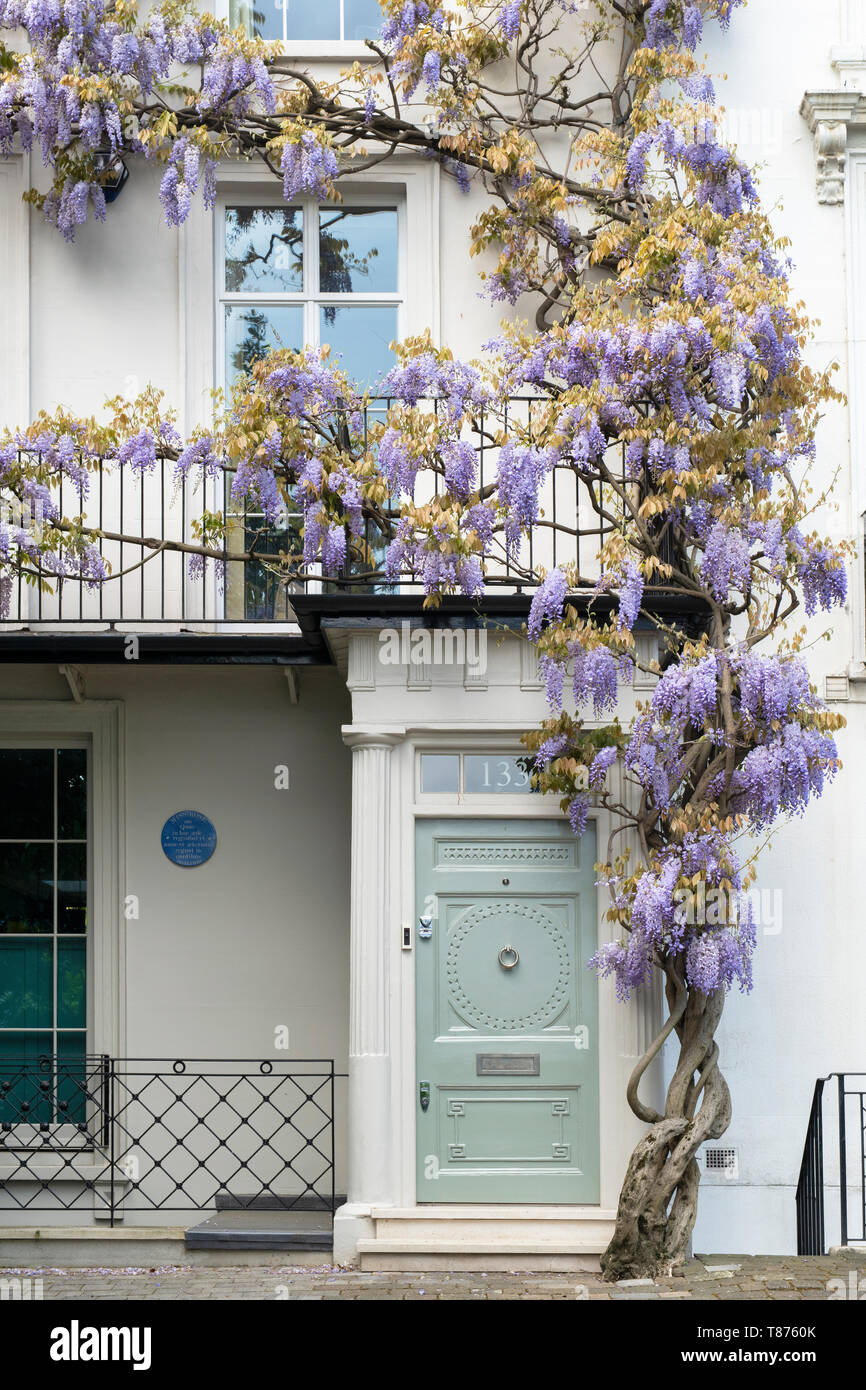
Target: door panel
(507,1046)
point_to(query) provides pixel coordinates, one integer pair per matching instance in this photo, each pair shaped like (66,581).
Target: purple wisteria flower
(548,602)
(630,595)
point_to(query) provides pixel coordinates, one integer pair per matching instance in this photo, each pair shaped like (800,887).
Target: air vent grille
(720,1160)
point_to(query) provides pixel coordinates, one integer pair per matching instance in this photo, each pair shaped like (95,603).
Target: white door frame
(386,806)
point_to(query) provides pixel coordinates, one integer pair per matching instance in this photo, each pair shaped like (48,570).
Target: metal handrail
(810,1203)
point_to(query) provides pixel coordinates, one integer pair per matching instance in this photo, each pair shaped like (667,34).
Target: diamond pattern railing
(158,1135)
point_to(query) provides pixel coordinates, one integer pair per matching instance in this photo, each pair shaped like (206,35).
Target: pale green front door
(507,1013)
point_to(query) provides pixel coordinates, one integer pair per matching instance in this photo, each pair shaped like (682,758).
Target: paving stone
(728,1278)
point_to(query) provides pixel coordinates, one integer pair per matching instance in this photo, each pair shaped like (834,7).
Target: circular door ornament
(505,999)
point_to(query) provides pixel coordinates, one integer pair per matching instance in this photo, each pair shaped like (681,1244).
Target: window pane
(71,982)
(310,19)
(26,888)
(362,19)
(72,793)
(440,772)
(73,1081)
(357,249)
(27,804)
(359,335)
(264,249)
(495,773)
(252,332)
(22,1100)
(305,19)
(71,888)
(26,983)
(264,596)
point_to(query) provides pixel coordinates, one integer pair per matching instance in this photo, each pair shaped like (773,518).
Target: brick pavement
(729,1277)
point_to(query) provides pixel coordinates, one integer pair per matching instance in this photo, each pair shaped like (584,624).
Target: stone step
(454,1256)
(277,1201)
(476,1247)
(262,1230)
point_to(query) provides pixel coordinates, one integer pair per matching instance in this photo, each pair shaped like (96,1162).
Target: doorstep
(495,1238)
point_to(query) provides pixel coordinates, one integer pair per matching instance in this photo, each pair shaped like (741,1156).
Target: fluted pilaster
(373,882)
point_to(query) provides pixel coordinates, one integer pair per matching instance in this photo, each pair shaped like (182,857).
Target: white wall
(805,1016)
(223,954)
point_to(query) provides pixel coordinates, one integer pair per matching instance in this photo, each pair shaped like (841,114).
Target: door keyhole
(505,882)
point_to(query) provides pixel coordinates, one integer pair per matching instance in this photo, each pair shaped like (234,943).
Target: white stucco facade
(298,920)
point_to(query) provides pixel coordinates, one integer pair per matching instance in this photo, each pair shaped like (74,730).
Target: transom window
(43,930)
(301,20)
(476,774)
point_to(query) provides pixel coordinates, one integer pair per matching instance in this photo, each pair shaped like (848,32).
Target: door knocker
(508,951)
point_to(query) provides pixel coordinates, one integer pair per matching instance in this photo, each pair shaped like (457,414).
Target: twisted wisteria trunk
(658,1202)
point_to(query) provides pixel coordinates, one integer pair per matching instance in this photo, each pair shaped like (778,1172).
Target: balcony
(146,525)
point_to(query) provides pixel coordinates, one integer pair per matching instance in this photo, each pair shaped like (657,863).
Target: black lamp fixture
(111,172)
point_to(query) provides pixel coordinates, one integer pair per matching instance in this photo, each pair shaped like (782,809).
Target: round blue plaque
(188,839)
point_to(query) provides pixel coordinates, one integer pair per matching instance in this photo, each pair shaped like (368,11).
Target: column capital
(373,736)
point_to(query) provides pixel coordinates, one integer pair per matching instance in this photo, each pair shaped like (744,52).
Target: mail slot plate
(508,1064)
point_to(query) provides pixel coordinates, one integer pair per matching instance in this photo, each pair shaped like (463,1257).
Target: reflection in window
(295,21)
(357,250)
(255,591)
(360,335)
(252,331)
(264,249)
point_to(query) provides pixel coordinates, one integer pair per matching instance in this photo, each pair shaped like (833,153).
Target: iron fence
(846,1160)
(159,583)
(183,1135)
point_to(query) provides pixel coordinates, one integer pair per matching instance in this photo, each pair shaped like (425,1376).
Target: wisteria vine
(666,370)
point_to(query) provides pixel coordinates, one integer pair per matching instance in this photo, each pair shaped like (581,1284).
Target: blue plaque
(188,839)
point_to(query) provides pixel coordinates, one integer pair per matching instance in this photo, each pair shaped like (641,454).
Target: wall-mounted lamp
(111,172)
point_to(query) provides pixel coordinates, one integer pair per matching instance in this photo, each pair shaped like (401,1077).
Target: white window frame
(310,296)
(342,50)
(413,181)
(410,183)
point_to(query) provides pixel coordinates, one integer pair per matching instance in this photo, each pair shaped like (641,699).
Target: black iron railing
(810,1186)
(161,584)
(848,1158)
(122,1135)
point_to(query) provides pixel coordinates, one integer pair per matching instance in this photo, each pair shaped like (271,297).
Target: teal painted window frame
(54,1037)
